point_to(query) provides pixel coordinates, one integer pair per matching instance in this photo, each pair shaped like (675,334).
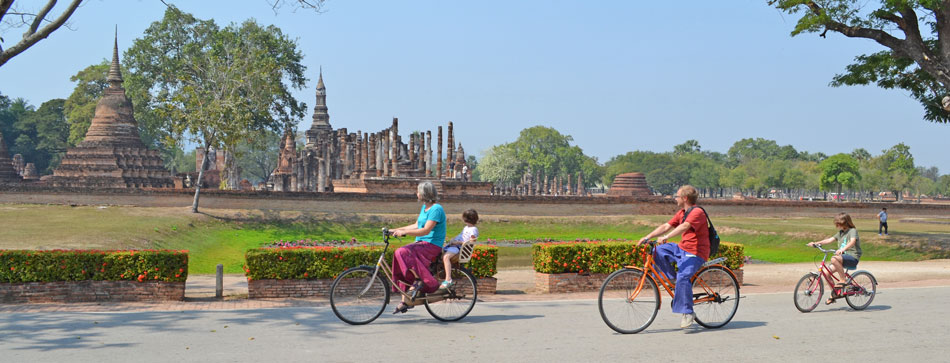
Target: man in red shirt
(689,255)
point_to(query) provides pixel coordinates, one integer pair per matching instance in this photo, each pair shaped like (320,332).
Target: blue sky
(617,76)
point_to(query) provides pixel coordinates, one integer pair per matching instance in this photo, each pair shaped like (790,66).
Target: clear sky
(616,75)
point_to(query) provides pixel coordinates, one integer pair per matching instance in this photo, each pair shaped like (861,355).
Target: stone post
(439,162)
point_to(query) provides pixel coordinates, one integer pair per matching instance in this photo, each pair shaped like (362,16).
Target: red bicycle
(858,290)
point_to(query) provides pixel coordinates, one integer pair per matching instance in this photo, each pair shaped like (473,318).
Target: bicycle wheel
(808,292)
(460,299)
(622,313)
(861,290)
(722,289)
(357,297)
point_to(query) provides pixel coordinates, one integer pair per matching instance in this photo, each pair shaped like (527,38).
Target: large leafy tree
(501,166)
(258,155)
(899,164)
(916,34)
(837,171)
(39,24)
(218,86)
(39,134)
(548,153)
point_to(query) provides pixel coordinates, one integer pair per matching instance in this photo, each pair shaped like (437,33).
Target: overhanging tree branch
(35,34)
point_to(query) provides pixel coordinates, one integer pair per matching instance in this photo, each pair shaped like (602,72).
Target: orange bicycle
(629,298)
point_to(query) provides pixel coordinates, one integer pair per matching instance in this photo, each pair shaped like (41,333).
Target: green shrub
(484,262)
(79,265)
(327,262)
(606,257)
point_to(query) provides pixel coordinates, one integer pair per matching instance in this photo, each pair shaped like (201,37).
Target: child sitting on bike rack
(451,249)
(849,248)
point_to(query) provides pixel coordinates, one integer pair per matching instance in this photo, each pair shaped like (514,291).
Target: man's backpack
(713,235)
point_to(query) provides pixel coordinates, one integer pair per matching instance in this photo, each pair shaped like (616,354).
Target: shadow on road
(470,319)
(848,309)
(696,329)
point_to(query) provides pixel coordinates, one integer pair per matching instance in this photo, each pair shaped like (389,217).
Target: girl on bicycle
(849,248)
(411,262)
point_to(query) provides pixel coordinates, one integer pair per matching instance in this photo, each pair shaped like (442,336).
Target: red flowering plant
(606,257)
(484,262)
(79,265)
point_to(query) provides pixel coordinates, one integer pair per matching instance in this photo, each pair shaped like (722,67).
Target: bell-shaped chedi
(8,175)
(112,154)
(629,184)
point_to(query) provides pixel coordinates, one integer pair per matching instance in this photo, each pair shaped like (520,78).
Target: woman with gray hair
(411,262)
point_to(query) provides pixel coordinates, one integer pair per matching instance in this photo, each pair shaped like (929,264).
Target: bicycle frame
(649,271)
(381,264)
(825,272)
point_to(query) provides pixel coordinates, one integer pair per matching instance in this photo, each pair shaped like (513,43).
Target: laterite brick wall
(90,291)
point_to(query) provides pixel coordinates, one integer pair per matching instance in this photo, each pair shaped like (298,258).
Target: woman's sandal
(415,289)
(830,301)
(402,308)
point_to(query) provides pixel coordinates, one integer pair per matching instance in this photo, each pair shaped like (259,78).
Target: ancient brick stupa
(629,184)
(8,175)
(112,154)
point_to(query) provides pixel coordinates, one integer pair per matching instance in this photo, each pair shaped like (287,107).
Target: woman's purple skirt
(416,257)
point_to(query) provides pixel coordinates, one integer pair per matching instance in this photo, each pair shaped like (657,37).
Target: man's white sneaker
(687,321)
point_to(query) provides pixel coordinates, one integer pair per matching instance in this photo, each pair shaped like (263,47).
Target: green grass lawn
(221,239)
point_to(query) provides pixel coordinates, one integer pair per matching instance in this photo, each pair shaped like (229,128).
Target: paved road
(901,324)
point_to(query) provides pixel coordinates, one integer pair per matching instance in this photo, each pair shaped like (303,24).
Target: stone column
(365,152)
(580,185)
(378,145)
(394,144)
(346,148)
(322,169)
(412,151)
(428,155)
(451,148)
(439,162)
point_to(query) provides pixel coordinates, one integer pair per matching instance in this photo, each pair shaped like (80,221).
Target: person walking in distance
(883,226)
(689,255)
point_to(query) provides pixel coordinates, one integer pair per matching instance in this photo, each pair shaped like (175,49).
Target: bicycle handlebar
(824,250)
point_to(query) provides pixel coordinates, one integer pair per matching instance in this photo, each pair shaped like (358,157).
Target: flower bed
(309,271)
(92,275)
(582,266)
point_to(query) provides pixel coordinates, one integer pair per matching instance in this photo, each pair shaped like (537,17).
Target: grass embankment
(224,236)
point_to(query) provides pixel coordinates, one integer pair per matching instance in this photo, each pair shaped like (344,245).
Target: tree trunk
(201,173)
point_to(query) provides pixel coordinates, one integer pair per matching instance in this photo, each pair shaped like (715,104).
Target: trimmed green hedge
(327,262)
(80,265)
(606,257)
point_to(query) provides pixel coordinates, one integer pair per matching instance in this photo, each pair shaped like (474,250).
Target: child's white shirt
(467,234)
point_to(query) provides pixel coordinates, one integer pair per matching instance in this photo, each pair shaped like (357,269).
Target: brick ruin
(8,173)
(336,160)
(629,184)
(112,154)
